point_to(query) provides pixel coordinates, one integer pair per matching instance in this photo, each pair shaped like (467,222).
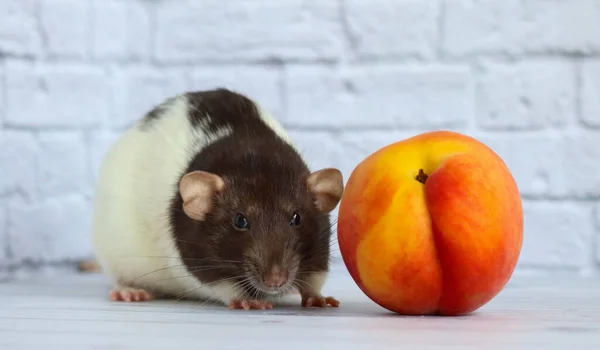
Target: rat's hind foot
(319,301)
(248,304)
(129,294)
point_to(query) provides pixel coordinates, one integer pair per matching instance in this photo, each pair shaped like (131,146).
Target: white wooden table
(74,312)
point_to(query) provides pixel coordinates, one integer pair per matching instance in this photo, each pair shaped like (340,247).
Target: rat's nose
(276,277)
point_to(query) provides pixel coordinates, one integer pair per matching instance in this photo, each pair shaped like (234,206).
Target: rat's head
(262,229)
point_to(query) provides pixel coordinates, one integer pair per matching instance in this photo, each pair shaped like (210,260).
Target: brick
(17,163)
(62,164)
(51,230)
(517,27)
(580,163)
(526,96)
(2,93)
(120,29)
(55,95)
(320,149)
(3,236)
(551,165)
(18,32)
(556,234)
(381,96)
(384,28)
(293,29)
(590,93)
(263,84)
(65,24)
(597,226)
(140,88)
(100,143)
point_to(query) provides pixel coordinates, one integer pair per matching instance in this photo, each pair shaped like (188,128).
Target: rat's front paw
(250,304)
(319,301)
(129,294)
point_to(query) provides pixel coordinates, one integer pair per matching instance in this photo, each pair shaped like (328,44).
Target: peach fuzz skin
(446,246)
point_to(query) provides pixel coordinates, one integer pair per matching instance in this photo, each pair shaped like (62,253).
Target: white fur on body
(131,231)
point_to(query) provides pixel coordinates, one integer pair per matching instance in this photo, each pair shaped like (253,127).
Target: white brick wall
(346,76)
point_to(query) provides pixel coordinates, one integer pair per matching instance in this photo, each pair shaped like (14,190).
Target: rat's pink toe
(250,304)
(129,294)
(320,301)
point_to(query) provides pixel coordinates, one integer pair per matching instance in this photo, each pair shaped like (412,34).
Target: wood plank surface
(74,312)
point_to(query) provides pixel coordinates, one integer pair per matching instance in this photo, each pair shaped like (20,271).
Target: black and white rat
(207,197)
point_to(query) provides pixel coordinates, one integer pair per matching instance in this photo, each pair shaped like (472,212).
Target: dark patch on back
(214,109)
(155,114)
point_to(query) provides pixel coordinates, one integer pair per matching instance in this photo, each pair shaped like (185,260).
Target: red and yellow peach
(431,225)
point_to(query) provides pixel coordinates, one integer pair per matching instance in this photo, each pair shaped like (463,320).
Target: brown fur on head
(257,217)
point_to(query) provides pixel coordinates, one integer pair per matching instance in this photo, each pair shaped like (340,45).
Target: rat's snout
(275,277)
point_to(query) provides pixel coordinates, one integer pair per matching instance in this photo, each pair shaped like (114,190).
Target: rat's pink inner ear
(197,190)
(327,185)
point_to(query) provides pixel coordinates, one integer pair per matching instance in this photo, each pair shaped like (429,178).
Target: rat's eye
(241,223)
(295,221)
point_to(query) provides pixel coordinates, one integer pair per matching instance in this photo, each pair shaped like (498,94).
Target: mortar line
(439,52)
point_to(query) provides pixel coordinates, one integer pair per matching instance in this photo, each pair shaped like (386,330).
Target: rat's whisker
(158,270)
(301,284)
(191,275)
(208,268)
(177,257)
(182,294)
(208,300)
(189,242)
(191,269)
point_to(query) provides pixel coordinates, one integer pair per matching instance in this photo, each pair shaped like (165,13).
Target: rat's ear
(197,189)
(327,185)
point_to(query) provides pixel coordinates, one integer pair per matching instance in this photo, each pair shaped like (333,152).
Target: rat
(207,197)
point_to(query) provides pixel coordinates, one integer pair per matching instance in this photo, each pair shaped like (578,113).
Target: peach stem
(421,177)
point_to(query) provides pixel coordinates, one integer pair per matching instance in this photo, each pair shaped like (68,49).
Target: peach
(432,224)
